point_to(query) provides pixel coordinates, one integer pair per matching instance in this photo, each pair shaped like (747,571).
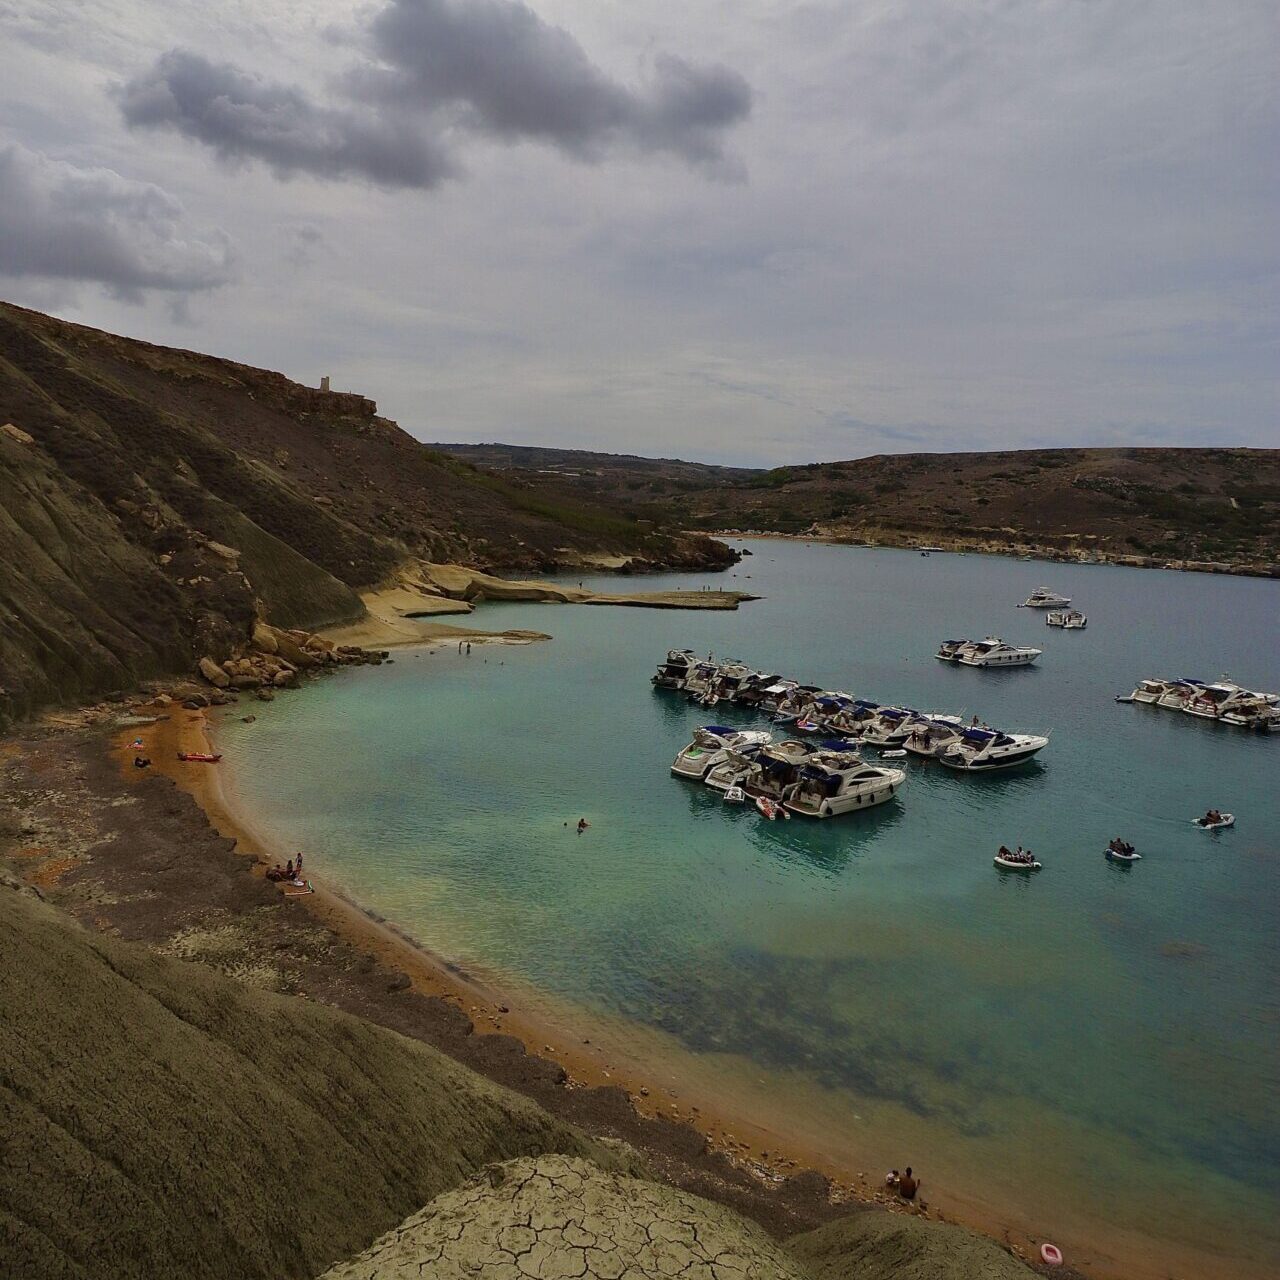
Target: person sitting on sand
(891,1178)
(276,873)
(141,762)
(907,1185)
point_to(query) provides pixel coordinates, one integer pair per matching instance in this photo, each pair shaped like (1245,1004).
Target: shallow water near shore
(1092,1050)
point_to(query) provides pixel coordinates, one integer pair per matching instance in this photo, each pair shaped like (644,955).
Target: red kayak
(199,757)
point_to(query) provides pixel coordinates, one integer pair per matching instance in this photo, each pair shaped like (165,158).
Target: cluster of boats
(991,652)
(1058,614)
(816,780)
(1223,700)
(852,723)
(1067,619)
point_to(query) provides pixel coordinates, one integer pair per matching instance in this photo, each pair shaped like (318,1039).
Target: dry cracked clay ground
(559,1217)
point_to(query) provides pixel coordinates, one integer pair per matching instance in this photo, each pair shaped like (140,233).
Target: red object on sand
(1051,1254)
(199,757)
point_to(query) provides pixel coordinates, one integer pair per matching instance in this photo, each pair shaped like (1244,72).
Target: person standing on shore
(907,1185)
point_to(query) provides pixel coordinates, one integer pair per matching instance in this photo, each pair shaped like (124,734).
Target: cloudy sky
(766,232)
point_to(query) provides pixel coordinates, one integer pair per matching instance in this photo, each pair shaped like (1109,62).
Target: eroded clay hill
(153,501)
(158,1119)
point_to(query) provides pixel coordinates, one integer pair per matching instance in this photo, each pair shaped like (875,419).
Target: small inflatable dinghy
(1050,1255)
(199,757)
(1227,820)
(771,809)
(891,755)
(734,795)
(1012,864)
(1129,854)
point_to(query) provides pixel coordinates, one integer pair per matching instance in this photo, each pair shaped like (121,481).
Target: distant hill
(152,501)
(1151,506)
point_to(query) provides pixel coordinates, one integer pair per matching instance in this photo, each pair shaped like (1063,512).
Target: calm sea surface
(1092,1045)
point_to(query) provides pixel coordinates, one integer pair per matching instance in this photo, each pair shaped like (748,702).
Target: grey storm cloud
(437,68)
(243,117)
(62,222)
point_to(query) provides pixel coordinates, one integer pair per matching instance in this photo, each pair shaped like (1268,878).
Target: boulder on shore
(213,673)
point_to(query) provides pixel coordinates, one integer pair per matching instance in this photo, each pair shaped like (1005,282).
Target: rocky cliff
(153,502)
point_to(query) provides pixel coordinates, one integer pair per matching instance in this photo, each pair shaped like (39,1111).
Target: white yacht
(994,652)
(728,681)
(1227,701)
(671,674)
(985,750)
(851,721)
(835,782)
(1067,619)
(950,650)
(933,735)
(733,769)
(776,768)
(1043,598)
(890,728)
(709,747)
(699,679)
(1150,691)
(1179,693)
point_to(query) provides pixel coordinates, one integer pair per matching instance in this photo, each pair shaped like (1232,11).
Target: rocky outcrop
(559,1216)
(275,656)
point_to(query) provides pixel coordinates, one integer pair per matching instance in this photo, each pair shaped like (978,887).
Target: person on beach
(141,762)
(907,1185)
(276,873)
(891,1178)
(289,872)
(297,869)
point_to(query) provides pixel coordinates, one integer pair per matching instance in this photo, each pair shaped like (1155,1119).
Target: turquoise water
(1050,1038)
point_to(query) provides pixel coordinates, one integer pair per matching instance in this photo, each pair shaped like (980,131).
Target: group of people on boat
(1120,846)
(1017,855)
(1211,818)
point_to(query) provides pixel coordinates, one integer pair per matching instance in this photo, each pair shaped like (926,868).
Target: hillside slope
(161,1120)
(153,501)
(1152,505)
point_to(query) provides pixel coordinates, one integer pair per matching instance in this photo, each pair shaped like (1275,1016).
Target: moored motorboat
(994,652)
(950,650)
(733,768)
(1068,619)
(985,750)
(671,673)
(840,781)
(776,768)
(734,795)
(1043,598)
(1149,691)
(933,735)
(711,743)
(1222,701)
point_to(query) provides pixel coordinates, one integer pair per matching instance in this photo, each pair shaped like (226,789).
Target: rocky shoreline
(881,537)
